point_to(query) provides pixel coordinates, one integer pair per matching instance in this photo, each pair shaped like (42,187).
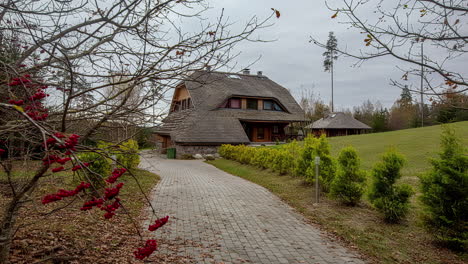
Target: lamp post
(317,194)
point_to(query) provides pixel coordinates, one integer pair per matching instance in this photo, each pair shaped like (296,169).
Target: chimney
(259,73)
(246,71)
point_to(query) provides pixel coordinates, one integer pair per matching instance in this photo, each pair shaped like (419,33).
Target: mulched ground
(73,236)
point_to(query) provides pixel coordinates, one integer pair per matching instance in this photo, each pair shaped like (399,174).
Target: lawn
(362,227)
(417,144)
(71,235)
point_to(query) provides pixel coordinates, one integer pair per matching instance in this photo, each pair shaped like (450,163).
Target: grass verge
(361,227)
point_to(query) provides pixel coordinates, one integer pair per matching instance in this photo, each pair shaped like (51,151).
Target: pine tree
(445,193)
(330,56)
(405,97)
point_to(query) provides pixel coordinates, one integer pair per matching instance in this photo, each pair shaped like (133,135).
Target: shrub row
(345,181)
(290,158)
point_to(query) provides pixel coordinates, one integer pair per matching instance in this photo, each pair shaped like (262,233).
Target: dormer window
(252,104)
(271,105)
(234,103)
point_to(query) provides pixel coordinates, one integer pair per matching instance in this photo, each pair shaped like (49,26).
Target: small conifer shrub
(390,199)
(445,193)
(349,183)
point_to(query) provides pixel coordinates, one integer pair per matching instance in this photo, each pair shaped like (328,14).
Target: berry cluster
(110,208)
(64,193)
(110,193)
(78,167)
(150,246)
(115,175)
(16,102)
(90,204)
(158,223)
(35,110)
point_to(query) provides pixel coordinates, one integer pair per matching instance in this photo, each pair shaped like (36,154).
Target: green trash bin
(171,153)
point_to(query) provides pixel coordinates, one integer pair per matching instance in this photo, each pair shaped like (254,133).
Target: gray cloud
(294,62)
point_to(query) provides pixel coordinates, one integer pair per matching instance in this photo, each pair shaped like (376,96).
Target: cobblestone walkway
(220,218)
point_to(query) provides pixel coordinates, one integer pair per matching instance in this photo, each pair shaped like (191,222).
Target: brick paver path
(220,218)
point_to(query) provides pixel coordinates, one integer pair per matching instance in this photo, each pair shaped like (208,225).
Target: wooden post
(317,194)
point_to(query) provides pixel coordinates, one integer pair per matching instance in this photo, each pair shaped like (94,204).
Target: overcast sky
(297,64)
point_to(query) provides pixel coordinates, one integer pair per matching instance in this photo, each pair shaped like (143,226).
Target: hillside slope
(417,144)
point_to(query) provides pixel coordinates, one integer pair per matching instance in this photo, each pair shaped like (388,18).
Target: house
(213,108)
(338,124)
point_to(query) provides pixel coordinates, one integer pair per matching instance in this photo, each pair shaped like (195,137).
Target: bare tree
(90,42)
(400,28)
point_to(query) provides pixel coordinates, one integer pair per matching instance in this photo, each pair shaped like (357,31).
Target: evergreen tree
(445,193)
(330,56)
(405,97)
(380,120)
(390,199)
(348,185)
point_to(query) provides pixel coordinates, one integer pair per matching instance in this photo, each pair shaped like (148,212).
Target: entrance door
(261,134)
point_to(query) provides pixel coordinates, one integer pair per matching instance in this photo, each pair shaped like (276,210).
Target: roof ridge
(236,73)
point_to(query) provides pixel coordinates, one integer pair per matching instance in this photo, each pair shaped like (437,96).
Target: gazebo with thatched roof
(338,124)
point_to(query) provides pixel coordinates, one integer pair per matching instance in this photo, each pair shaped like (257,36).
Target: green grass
(362,227)
(417,144)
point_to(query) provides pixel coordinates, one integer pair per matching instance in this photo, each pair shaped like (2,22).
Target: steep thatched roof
(207,123)
(338,120)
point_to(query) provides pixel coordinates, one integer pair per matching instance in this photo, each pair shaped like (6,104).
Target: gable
(181,99)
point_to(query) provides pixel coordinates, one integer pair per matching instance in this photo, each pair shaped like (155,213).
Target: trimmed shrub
(127,154)
(445,193)
(245,154)
(99,165)
(349,183)
(283,161)
(327,164)
(305,163)
(226,151)
(294,150)
(390,199)
(262,157)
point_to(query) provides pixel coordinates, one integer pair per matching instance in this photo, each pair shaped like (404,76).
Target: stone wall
(192,150)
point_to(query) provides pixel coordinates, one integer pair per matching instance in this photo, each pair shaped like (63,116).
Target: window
(233,76)
(252,104)
(267,105)
(176,106)
(271,105)
(260,133)
(275,130)
(234,103)
(276,107)
(189,102)
(184,104)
